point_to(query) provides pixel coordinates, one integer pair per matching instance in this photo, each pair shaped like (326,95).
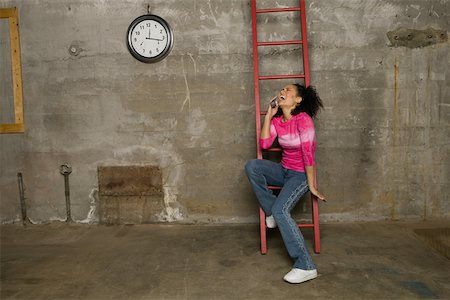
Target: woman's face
(288,96)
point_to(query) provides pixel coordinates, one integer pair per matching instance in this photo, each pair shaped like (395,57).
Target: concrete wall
(383,138)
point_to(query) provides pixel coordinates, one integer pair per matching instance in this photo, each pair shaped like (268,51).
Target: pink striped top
(297,137)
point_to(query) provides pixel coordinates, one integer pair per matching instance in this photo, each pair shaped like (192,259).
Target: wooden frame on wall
(16,66)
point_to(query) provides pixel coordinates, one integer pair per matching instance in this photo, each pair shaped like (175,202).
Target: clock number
(160,31)
(142,26)
(135,39)
(148,24)
(138,32)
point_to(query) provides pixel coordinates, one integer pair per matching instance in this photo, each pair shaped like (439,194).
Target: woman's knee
(251,166)
(278,213)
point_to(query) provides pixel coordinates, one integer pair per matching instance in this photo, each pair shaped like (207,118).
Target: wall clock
(149,38)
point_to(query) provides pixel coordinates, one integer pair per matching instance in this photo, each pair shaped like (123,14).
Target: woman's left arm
(308,142)
(310,175)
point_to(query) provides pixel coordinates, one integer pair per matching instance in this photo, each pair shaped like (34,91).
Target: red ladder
(258,113)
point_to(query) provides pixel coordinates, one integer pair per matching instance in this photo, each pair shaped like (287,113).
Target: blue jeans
(261,173)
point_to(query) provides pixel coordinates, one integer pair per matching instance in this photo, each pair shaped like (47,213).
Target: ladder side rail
(305,43)
(315,206)
(307,76)
(256,80)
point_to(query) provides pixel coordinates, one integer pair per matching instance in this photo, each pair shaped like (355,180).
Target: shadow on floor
(437,238)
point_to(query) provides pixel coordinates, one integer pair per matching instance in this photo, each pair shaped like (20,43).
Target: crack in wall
(187,99)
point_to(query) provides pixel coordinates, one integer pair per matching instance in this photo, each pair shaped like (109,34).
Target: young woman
(290,120)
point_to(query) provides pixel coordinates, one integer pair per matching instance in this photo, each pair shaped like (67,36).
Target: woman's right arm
(265,130)
(266,137)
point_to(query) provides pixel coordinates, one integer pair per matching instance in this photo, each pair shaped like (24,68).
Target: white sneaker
(299,275)
(270,222)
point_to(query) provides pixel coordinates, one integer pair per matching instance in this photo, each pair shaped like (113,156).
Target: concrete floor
(358,261)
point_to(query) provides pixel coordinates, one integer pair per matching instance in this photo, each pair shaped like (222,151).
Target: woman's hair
(310,104)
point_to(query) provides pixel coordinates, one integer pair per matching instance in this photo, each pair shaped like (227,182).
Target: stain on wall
(130,194)
(414,38)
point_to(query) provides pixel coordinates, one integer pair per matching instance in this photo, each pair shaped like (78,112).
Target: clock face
(149,38)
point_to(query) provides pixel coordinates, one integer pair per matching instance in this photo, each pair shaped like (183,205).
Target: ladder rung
(280,77)
(295,42)
(273,150)
(269,10)
(272,187)
(308,225)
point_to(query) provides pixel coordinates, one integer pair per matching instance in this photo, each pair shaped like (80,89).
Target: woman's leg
(294,187)
(261,173)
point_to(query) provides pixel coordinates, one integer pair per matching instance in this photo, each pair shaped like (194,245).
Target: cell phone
(274,102)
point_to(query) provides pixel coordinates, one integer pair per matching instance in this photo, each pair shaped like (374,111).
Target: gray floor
(358,261)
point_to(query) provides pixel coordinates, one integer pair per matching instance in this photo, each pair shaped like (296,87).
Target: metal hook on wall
(23,205)
(65,170)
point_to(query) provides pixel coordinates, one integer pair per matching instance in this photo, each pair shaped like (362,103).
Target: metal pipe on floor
(22,199)
(65,170)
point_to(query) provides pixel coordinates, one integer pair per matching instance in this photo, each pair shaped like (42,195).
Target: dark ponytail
(311,102)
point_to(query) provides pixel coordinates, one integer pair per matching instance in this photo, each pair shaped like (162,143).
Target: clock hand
(153,39)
